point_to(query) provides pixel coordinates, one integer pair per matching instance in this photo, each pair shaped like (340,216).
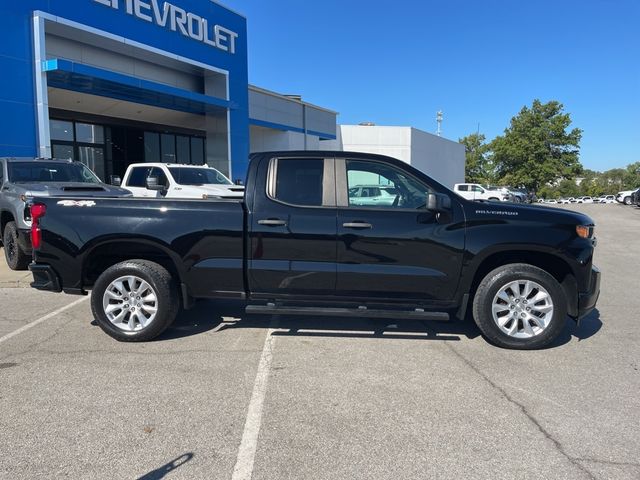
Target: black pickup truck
(312,237)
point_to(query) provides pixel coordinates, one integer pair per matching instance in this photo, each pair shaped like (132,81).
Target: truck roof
(37,159)
(161,164)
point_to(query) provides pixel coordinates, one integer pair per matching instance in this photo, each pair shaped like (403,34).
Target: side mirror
(438,202)
(238,182)
(153,183)
(115,180)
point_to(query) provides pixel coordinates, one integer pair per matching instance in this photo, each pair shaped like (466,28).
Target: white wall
(438,157)
(274,108)
(267,139)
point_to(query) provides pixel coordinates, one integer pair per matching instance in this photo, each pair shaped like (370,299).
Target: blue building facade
(113,82)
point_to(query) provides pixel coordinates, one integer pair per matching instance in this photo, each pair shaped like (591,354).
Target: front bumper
(587,300)
(44,278)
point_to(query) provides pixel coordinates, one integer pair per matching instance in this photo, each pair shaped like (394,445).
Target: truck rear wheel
(520,306)
(16,258)
(135,300)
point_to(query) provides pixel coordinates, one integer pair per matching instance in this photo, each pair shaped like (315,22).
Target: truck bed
(202,238)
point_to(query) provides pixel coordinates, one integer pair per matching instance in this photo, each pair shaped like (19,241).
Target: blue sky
(480,61)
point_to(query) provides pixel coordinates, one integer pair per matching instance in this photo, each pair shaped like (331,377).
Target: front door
(395,249)
(292,221)
(136,181)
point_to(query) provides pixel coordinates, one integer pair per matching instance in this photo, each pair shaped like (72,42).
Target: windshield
(37,171)
(198,176)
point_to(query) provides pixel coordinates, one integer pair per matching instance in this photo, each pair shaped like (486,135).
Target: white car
(625,196)
(372,195)
(608,199)
(474,191)
(552,201)
(169,180)
(584,200)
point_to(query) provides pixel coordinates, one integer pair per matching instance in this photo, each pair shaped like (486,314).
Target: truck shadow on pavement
(587,328)
(224,315)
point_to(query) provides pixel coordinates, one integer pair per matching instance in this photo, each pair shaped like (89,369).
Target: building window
(168,144)
(64,152)
(183,149)
(61,130)
(87,133)
(151,147)
(170,148)
(79,141)
(197,151)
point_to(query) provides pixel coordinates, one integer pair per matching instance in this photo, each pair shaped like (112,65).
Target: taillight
(38,211)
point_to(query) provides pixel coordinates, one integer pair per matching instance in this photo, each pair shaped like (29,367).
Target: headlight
(584,231)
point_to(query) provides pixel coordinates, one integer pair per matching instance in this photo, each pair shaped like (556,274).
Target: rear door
(292,228)
(398,250)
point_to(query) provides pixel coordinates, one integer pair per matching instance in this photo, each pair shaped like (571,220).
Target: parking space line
(42,319)
(249,443)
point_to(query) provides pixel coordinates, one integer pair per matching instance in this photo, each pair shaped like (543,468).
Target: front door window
(375,184)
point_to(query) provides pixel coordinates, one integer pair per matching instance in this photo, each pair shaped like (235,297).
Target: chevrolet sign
(178,20)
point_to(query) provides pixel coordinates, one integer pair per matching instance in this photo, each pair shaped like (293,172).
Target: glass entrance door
(79,141)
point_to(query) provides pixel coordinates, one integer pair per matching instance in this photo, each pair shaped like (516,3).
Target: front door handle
(272,222)
(357,225)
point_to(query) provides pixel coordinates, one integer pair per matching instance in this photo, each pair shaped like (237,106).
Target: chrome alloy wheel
(522,309)
(130,303)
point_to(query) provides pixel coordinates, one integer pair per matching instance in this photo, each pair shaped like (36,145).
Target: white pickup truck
(169,180)
(474,191)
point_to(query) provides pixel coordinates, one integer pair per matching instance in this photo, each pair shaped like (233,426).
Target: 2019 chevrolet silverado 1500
(301,242)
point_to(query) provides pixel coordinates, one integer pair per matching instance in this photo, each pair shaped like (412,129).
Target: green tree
(478,167)
(632,176)
(537,148)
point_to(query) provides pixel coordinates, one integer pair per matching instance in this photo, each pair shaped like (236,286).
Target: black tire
(17,259)
(165,290)
(627,200)
(495,281)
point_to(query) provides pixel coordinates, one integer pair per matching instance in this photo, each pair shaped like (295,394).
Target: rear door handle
(357,225)
(272,222)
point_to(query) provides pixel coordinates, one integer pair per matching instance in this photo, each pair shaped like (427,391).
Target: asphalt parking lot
(226,396)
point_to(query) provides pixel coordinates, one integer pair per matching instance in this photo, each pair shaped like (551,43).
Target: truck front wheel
(135,300)
(520,306)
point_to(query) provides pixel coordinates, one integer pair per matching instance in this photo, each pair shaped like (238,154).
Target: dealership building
(113,82)
(438,157)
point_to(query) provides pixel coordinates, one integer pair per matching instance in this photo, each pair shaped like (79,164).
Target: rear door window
(298,181)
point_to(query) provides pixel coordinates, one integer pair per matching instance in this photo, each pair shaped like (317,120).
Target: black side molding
(362,312)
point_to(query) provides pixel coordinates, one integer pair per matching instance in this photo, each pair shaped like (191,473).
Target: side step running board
(361,312)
